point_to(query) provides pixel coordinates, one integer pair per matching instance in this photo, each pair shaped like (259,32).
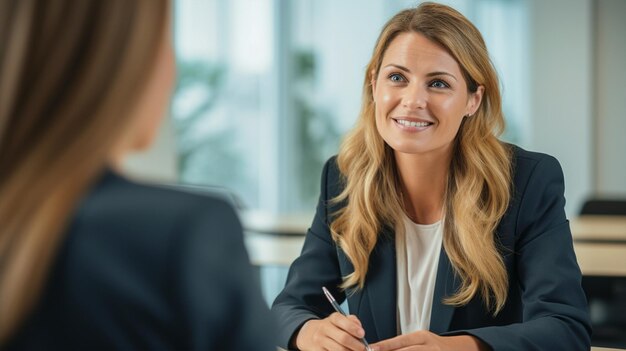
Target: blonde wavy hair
(70,75)
(479,178)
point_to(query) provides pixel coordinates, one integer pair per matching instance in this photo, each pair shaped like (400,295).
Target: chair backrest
(606,295)
(605,207)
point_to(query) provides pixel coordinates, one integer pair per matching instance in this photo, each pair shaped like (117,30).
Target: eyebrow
(431,74)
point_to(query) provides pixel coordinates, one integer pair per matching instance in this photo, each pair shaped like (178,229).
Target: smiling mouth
(413,124)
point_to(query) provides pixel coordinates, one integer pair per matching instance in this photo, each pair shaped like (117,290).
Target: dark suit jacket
(148,268)
(546,307)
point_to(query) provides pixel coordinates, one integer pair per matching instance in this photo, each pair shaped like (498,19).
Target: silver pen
(337,308)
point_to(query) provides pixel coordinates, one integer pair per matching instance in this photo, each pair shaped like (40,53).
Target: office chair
(606,295)
(604,207)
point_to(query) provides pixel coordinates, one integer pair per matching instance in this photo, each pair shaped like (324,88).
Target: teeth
(413,124)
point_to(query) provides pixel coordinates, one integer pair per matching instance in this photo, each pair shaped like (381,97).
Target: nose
(415,97)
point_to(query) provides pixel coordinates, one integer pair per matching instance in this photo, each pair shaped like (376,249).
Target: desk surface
(600,244)
(274,239)
(599,228)
(268,223)
(599,241)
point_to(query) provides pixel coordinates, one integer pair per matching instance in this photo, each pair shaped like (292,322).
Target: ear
(373,81)
(474,101)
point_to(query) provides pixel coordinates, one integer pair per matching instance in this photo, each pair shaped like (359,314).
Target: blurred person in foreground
(89,259)
(439,235)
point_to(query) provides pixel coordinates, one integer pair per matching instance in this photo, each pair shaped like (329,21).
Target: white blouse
(417,261)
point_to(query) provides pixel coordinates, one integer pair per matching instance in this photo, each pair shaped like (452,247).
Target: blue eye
(396,78)
(439,84)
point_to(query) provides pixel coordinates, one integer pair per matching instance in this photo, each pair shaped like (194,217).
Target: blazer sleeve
(302,298)
(555,315)
(219,296)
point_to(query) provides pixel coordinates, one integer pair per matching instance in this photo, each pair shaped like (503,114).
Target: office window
(267,88)
(224,61)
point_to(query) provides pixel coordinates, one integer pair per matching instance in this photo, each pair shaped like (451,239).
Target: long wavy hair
(70,74)
(479,178)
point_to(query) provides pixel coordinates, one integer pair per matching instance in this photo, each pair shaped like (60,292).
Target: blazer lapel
(381,289)
(381,285)
(446,285)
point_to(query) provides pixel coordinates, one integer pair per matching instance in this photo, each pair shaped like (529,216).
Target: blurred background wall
(267,88)
(609,94)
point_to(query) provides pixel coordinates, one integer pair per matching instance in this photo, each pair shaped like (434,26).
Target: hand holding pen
(337,308)
(335,332)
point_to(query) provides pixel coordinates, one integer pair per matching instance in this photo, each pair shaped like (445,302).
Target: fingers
(346,331)
(355,319)
(350,324)
(336,332)
(347,341)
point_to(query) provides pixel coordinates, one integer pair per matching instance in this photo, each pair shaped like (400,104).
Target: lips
(412,123)
(404,122)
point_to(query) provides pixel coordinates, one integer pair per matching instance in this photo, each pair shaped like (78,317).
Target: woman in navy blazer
(425,152)
(88,259)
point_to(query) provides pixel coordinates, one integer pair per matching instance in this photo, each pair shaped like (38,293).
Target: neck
(116,159)
(118,152)
(423,183)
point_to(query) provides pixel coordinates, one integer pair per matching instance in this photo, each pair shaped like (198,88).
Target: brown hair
(70,72)
(478,184)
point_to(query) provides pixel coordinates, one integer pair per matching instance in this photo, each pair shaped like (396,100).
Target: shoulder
(538,191)
(148,220)
(114,190)
(535,175)
(528,164)
(116,196)
(333,180)
(331,167)
(154,249)
(154,234)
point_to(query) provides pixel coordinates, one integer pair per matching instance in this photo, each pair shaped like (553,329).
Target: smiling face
(421,96)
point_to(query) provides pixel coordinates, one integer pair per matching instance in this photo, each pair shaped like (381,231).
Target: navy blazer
(546,307)
(149,268)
